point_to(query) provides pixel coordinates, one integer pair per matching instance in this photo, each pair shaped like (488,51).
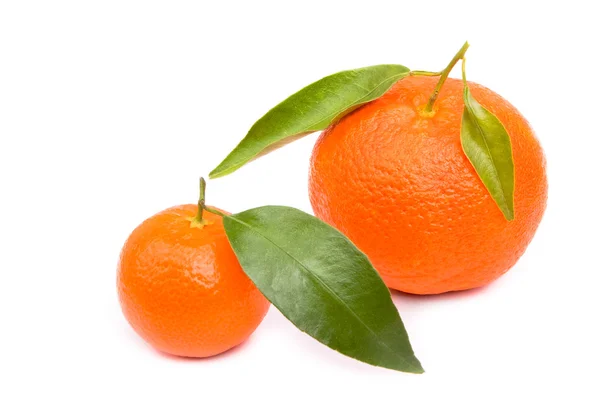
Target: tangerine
(182,288)
(396,181)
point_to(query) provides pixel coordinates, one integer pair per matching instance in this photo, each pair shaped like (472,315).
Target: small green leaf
(487,146)
(311,109)
(322,283)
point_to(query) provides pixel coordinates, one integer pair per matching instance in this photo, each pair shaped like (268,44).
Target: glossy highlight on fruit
(396,181)
(182,288)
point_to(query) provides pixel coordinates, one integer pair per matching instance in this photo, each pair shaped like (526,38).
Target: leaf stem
(215,211)
(464,74)
(459,55)
(425,73)
(198,221)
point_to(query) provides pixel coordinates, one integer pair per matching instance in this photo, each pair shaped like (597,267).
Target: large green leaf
(311,109)
(487,146)
(322,283)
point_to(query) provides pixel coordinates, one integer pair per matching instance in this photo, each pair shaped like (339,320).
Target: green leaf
(487,146)
(311,109)
(322,283)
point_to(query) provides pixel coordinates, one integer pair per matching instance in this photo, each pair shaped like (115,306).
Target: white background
(110,111)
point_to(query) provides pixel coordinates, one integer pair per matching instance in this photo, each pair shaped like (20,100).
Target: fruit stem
(198,221)
(458,56)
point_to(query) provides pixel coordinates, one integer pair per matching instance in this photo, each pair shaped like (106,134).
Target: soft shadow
(231,352)
(431,298)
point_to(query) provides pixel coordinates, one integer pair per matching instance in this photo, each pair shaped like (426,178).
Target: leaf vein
(319,280)
(480,131)
(356,102)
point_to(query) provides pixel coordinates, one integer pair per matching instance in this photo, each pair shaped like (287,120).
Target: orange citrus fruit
(182,288)
(396,181)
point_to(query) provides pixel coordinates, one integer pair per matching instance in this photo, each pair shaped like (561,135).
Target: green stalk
(444,75)
(198,221)
(425,73)
(215,211)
